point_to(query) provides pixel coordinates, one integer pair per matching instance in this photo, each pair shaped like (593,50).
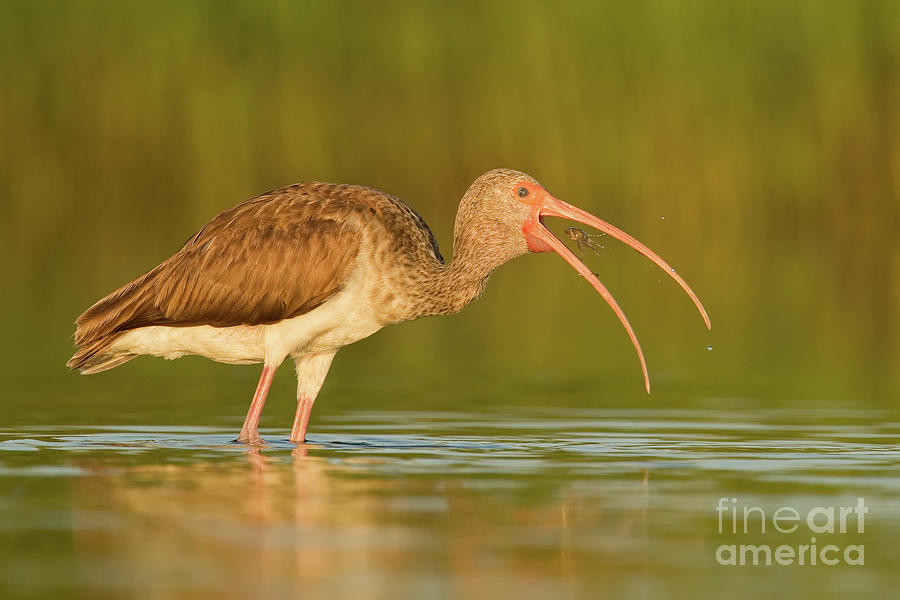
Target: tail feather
(100,363)
(100,325)
(114,312)
(95,357)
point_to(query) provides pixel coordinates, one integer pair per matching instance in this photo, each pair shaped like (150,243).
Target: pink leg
(301,419)
(250,430)
(311,372)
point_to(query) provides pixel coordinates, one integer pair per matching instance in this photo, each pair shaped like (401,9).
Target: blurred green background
(754,145)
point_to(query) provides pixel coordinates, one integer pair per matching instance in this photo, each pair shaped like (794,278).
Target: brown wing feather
(274,257)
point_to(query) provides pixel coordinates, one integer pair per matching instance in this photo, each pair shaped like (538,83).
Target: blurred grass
(766,134)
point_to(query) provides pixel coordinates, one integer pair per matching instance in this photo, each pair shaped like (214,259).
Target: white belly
(341,320)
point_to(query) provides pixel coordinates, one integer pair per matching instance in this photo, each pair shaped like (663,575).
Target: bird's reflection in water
(290,525)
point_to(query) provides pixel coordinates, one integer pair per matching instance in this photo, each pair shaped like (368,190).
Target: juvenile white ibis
(302,271)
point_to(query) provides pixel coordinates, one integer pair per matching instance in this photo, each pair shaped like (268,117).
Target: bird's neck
(453,286)
(461,282)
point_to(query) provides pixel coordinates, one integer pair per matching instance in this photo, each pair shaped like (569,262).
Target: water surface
(542,503)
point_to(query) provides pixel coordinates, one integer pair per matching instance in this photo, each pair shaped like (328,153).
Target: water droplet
(709,348)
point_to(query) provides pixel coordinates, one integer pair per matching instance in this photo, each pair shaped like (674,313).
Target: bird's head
(505,210)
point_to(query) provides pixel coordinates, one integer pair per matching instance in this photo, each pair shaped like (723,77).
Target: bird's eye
(522,191)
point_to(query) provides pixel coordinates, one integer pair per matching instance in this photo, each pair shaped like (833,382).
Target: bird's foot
(250,437)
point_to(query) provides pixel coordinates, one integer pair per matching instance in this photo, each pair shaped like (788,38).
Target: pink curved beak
(540,239)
